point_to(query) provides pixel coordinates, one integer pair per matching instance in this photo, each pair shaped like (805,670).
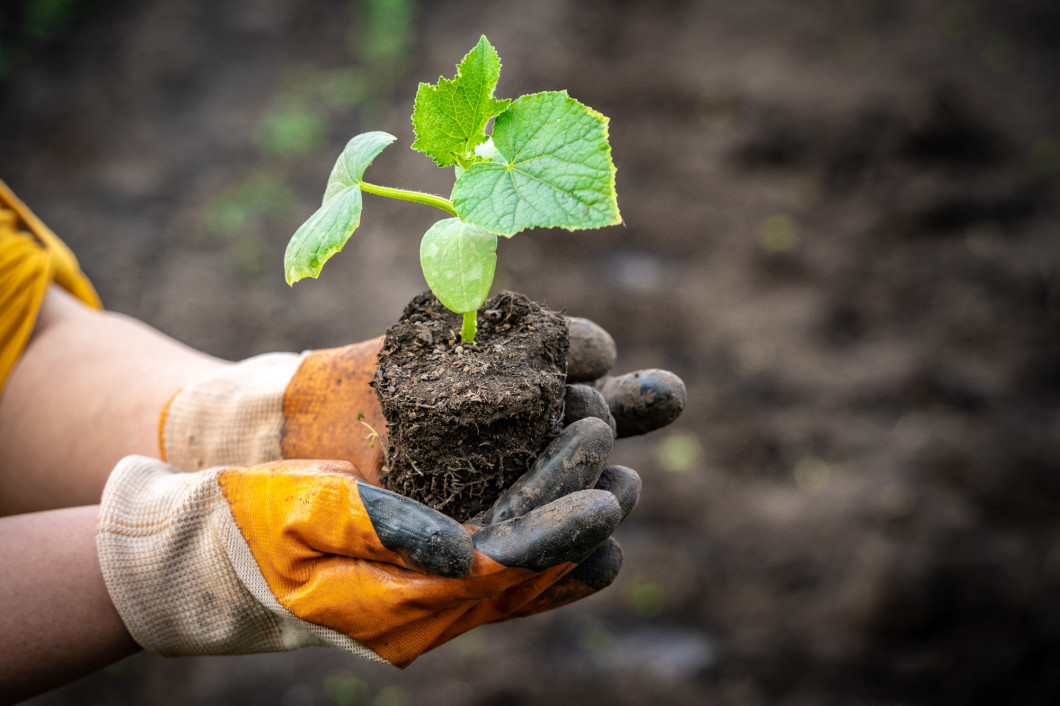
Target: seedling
(372,434)
(545,163)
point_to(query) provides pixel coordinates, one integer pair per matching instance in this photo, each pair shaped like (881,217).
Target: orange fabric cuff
(31,259)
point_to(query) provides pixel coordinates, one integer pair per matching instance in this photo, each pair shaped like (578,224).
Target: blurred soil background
(841,229)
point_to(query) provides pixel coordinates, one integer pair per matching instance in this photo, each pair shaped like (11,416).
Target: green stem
(416,196)
(467,333)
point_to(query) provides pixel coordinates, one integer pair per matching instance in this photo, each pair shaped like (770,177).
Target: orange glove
(298,553)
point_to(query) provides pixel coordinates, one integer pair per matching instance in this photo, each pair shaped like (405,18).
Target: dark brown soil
(464,421)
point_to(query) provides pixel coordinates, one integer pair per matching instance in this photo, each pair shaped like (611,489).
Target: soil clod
(465,421)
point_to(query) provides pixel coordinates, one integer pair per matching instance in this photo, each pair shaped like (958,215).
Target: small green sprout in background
(345,688)
(238,217)
(647,598)
(383,34)
(678,451)
(28,24)
(546,163)
(259,195)
(812,474)
(594,636)
(1045,156)
(778,232)
(391,696)
(291,129)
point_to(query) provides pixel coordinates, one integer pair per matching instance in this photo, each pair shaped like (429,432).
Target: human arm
(82,366)
(274,557)
(57,622)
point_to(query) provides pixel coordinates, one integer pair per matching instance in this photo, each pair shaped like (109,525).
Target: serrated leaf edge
(452,158)
(611,195)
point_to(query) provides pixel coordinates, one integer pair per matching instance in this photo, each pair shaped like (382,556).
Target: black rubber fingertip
(624,483)
(600,568)
(425,539)
(582,402)
(644,400)
(592,351)
(573,461)
(564,530)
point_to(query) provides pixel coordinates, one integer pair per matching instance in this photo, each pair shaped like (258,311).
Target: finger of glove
(624,483)
(565,530)
(594,574)
(644,400)
(592,351)
(424,538)
(573,461)
(582,402)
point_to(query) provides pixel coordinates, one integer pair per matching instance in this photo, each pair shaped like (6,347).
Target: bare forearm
(87,391)
(57,622)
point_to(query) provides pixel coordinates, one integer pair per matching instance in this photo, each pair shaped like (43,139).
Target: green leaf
(351,165)
(553,169)
(458,261)
(326,231)
(450,118)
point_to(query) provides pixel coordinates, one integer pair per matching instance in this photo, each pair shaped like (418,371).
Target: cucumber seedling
(545,163)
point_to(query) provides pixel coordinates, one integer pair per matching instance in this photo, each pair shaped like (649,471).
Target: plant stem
(416,196)
(467,333)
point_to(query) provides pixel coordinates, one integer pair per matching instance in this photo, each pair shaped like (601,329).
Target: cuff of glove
(157,537)
(180,573)
(234,418)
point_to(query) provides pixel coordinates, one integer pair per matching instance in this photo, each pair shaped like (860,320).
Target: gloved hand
(298,553)
(320,405)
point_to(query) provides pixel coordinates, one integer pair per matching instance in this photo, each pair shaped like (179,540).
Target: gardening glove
(296,553)
(320,404)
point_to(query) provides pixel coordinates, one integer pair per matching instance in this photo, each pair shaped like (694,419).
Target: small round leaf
(458,261)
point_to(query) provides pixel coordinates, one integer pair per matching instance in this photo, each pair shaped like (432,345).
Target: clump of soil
(464,422)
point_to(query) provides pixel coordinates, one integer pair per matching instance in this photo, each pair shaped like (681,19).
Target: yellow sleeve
(31,258)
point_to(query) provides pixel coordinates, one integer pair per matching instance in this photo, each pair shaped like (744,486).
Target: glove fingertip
(564,530)
(600,568)
(644,400)
(573,461)
(624,483)
(425,539)
(582,402)
(592,350)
